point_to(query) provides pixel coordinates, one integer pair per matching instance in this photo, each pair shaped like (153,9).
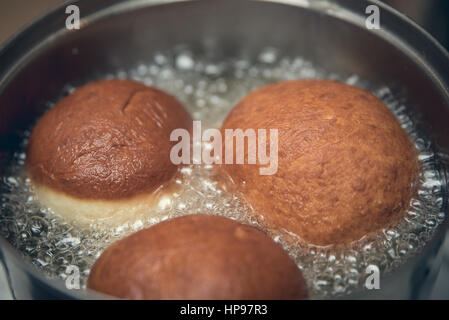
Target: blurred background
(433,15)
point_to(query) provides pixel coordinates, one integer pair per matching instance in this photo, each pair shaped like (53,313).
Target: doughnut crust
(346,168)
(197,257)
(107,140)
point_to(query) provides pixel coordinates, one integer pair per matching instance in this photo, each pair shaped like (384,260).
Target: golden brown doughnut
(106,143)
(346,168)
(197,257)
